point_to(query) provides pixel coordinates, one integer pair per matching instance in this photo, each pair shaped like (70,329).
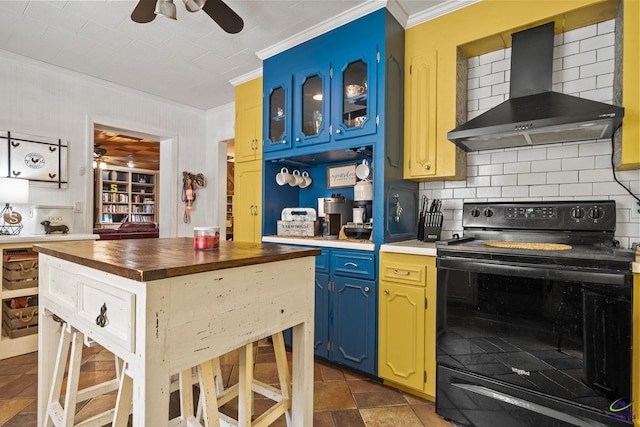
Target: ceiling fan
(146,11)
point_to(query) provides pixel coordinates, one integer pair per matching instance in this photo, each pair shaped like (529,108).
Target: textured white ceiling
(189,60)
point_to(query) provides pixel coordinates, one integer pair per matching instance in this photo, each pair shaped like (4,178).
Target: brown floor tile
(363,386)
(330,373)
(392,416)
(323,419)
(427,414)
(379,398)
(332,395)
(348,418)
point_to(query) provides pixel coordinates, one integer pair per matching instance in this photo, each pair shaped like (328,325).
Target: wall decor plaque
(341,176)
(35,158)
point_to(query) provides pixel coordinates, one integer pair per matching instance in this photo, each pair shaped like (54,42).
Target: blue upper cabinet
(354,92)
(277,114)
(311,100)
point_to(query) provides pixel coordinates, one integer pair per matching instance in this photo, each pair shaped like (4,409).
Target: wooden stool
(63,414)
(213,394)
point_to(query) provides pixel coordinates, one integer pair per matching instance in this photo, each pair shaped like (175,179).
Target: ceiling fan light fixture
(166,8)
(193,5)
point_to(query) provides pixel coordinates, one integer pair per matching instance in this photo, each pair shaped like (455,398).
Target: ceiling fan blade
(228,20)
(144,11)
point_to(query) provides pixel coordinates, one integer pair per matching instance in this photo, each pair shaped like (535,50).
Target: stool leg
(245,395)
(208,394)
(283,371)
(186,393)
(58,373)
(124,400)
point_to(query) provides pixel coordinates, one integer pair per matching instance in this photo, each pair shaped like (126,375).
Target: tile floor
(341,398)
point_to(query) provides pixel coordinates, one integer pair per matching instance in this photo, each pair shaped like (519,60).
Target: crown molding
(246,77)
(437,11)
(398,12)
(326,26)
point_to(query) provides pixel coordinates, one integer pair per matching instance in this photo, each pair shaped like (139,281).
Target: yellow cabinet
(247,209)
(420,147)
(407,323)
(248,127)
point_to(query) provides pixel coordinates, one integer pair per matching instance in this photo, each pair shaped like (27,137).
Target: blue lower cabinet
(354,337)
(321,316)
(345,318)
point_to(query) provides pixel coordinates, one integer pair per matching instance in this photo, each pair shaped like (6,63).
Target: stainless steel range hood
(533,114)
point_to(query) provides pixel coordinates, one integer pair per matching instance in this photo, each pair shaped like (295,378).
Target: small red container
(206,237)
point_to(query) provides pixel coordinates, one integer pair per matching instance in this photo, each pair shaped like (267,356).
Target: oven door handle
(536,272)
(540,409)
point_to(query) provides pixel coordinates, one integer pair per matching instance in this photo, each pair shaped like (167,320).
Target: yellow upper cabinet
(485,26)
(248,132)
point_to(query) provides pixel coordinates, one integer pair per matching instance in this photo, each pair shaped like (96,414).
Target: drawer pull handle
(27,318)
(102,319)
(351,264)
(401,273)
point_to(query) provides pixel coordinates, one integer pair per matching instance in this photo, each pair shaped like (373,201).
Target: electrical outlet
(77,207)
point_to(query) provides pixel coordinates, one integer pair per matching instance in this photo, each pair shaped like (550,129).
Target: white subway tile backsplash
(490,102)
(549,165)
(580,33)
(504,157)
(605,53)
(597,68)
(562,151)
(583,66)
(515,191)
(579,59)
(517,167)
(578,86)
(605,81)
(566,75)
(562,177)
(595,175)
(488,192)
(574,190)
(597,42)
(528,154)
(600,95)
(578,163)
(501,180)
(550,190)
(496,169)
(532,179)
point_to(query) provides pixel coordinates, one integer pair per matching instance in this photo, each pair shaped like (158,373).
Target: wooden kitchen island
(170,307)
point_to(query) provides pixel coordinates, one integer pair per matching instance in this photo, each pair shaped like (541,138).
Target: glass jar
(206,237)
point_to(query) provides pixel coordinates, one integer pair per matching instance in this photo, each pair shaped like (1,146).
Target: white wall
(584,67)
(39,99)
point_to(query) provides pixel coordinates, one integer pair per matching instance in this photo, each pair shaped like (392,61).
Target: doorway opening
(126,168)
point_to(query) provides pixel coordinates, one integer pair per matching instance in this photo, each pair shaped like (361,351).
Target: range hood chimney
(533,114)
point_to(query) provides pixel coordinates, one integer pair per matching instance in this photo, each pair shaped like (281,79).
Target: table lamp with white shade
(12,190)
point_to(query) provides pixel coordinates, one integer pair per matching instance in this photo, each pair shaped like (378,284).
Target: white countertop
(411,247)
(31,238)
(362,245)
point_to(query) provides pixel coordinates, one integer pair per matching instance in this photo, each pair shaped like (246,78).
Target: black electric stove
(535,337)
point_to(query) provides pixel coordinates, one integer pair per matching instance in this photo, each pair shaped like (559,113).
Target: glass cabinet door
(311,107)
(355,95)
(278,113)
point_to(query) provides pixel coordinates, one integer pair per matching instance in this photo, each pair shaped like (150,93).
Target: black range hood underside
(542,118)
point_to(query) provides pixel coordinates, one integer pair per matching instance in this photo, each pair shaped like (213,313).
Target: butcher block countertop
(153,259)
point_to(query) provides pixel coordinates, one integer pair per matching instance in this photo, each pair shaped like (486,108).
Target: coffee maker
(337,211)
(362,224)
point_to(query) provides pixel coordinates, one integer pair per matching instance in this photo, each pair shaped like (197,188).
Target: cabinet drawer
(410,274)
(353,264)
(99,299)
(322,262)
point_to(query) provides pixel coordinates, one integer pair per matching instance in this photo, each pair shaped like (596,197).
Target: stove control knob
(488,213)
(596,213)
(577,213)
(475,212)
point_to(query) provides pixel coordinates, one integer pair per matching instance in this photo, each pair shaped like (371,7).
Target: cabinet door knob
(427,167)
(284,141)
(298,139)
(366,289)
(338,131)
(386,291)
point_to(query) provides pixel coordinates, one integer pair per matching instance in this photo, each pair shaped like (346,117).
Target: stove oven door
(518,346)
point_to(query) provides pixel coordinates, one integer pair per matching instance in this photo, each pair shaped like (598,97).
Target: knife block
(432,227)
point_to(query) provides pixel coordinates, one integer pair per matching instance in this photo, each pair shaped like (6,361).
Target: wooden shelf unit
(125,194)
